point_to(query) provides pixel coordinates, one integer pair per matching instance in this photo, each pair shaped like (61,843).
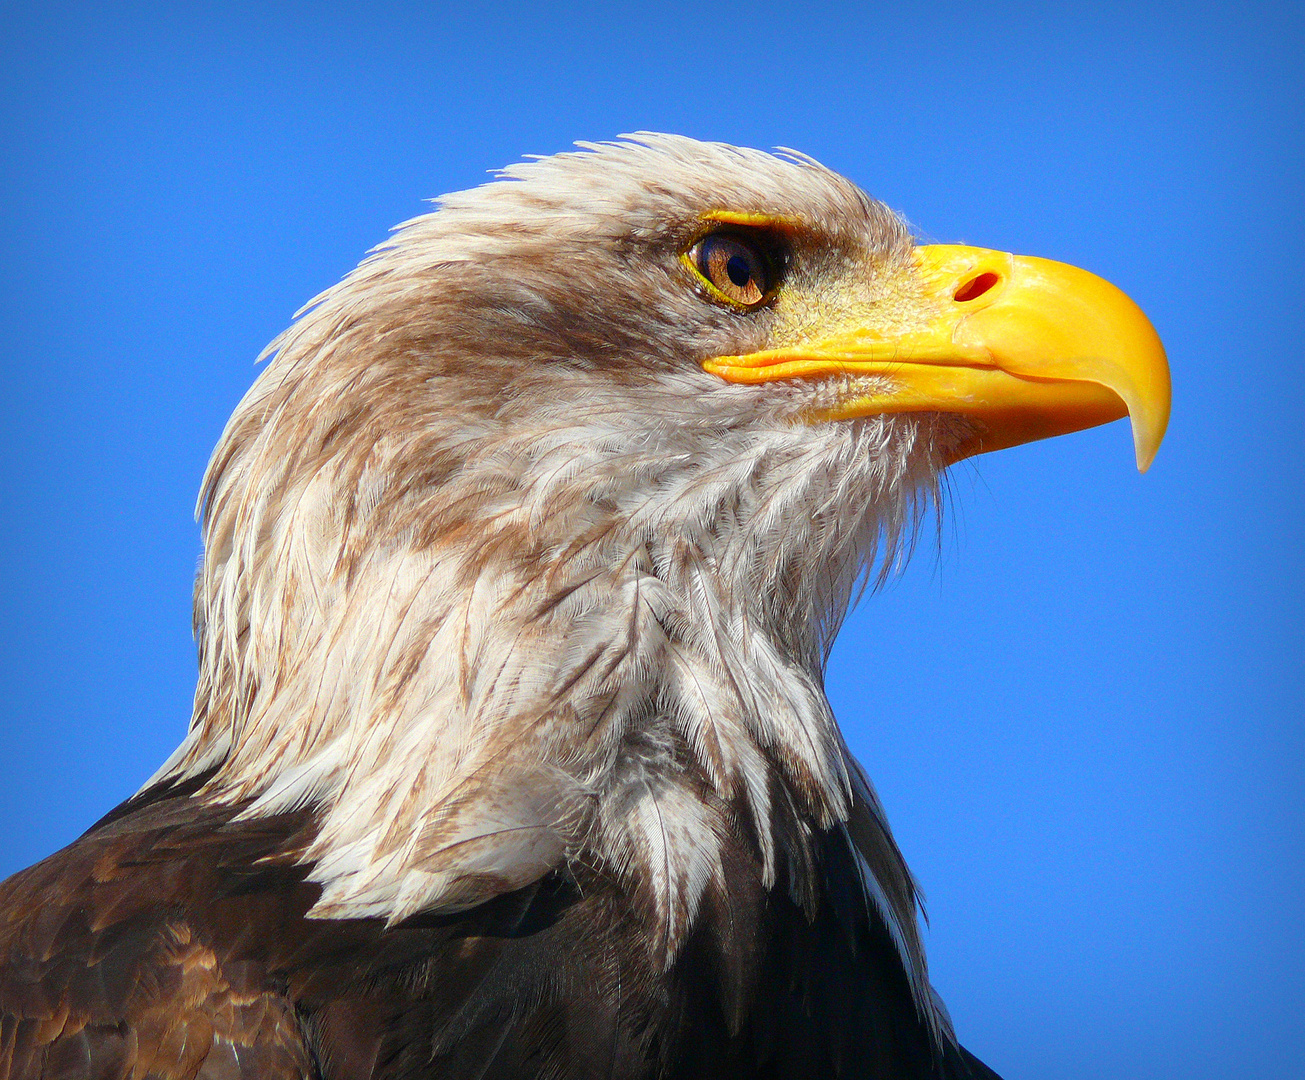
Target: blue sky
(1082,705)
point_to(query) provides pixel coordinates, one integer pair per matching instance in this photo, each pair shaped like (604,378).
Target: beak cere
(1027,347)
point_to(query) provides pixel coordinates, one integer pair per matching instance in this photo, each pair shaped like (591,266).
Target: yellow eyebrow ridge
(754,219)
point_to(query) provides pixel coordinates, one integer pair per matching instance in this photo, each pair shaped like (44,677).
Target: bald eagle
(510,755)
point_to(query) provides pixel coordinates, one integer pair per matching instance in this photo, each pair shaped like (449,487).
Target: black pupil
(739,271)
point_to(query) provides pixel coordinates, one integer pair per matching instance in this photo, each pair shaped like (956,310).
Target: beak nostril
(975,287)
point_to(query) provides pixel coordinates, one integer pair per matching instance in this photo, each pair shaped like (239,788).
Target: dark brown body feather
(171,942)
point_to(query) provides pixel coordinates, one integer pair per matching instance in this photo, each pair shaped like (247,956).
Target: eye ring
(733,268)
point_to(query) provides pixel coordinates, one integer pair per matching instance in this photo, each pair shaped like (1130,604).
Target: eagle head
(526,549)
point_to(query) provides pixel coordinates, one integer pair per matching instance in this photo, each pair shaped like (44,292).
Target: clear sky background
(1082,706)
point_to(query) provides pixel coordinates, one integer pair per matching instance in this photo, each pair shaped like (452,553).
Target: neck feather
(576,645)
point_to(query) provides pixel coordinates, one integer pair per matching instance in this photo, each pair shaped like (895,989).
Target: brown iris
(734,268)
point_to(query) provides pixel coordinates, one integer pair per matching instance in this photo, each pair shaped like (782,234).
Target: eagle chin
(510,754)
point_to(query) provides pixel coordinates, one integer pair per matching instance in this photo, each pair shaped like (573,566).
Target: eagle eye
(734,269)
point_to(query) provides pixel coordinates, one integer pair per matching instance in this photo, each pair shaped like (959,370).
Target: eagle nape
(510,755)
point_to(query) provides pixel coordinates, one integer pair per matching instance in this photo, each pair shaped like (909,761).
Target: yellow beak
(1027,347)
